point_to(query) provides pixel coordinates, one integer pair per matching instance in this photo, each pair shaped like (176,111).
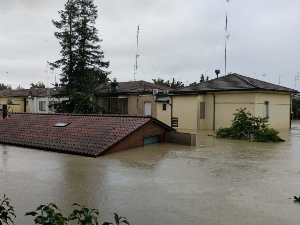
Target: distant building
(16,100)
(129,98)
(41,100)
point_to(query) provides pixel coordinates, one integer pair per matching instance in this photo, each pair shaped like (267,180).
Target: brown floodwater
(219,181)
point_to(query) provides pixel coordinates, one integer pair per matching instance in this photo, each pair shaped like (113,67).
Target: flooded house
(211,104)
(88,135)
(131,98)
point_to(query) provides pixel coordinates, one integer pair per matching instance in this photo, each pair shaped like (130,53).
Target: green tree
(19,88)
(202,78)
(174,84)
(296,107)
(81,60)
(3,86)
(37,85)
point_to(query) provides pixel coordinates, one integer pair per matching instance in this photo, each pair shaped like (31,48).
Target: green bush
(50,214)
(266,135)
(6,211)
(246,127)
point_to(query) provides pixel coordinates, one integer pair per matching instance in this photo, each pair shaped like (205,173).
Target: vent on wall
(174,122)
(10,101)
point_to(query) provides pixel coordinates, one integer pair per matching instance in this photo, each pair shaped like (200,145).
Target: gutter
(171,109)
(214,112)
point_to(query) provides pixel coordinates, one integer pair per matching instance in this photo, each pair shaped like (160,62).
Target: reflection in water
(219,181)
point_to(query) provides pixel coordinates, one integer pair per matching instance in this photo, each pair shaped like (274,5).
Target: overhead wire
(242,50)
(208,67)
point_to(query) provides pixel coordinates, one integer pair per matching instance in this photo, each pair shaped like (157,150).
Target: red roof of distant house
(89,135)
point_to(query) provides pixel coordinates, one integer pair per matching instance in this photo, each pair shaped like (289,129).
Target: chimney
(217,73)
(114,85)
(4,111)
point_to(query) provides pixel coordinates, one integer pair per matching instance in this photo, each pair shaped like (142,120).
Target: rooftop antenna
(226,37)
(137,50)
(279,79)
(296,78)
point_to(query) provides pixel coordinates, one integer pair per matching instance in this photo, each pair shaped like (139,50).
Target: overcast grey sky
(180,39)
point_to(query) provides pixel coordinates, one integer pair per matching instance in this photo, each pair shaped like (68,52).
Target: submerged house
(89,135)
(211,104)
(131,98)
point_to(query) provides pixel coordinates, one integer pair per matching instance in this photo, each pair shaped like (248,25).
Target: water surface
(219,181)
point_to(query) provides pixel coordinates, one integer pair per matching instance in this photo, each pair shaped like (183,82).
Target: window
(202,110)
(42,105)
(164,106)
(174,122)
(266,109)
(115,105)
(61,124)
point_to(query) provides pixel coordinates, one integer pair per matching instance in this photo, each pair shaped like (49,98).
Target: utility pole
(279,79)
(137,52)
(226,38)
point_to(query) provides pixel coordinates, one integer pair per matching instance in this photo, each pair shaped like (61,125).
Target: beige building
(130,98)
(35,100)
(16,100)
(211,104)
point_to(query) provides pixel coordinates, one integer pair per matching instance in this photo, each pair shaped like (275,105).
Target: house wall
(164,115)
(137,139)
(185,108)
(279,108)
(132,104)
(142,99)
(34,104)
(228,103)
(17,106)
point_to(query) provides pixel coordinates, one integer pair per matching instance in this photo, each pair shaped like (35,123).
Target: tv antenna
(296,78)
(137,51)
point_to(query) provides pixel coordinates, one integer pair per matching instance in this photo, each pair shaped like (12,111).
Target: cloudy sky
(178,39)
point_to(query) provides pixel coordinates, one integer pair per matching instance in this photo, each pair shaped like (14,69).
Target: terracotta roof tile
(38,92)
(85,135)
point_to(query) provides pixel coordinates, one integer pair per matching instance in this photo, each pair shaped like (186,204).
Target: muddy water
(217,182)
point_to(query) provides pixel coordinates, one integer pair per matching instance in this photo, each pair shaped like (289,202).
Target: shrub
(245,127)
(48,215)
(6,211)
(266,135)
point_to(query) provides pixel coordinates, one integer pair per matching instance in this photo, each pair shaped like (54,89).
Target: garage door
(150,140)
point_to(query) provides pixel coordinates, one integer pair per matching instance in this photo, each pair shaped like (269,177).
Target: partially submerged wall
(181,138)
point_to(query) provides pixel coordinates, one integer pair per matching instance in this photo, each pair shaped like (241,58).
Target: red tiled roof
(85,135)
(37,92)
